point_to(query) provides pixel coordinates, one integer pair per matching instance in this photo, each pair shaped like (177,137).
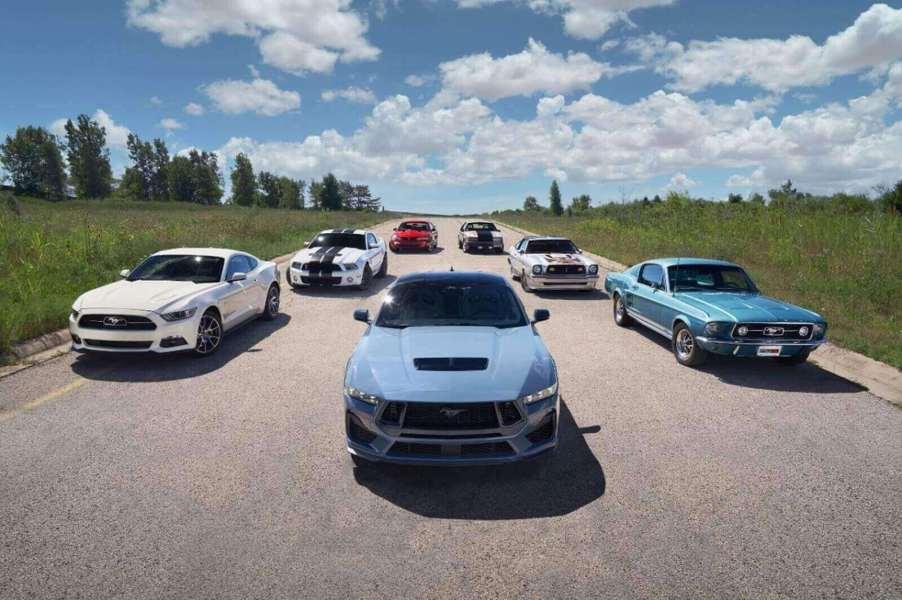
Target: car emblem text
(772,331)
(452,412)
(113,322)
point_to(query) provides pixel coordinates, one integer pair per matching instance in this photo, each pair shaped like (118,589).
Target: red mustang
(409,235)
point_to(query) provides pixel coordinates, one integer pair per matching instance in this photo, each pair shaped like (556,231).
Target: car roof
(217,252)
(673,261)
(348,230)
(452,277)
(414,221)
(546,237)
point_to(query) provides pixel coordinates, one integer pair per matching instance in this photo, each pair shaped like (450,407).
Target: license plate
(769,350)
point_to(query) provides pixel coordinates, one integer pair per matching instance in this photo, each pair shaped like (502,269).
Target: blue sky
(615,98)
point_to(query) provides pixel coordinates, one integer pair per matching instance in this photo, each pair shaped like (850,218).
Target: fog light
(349,279)
(76,339)
(743,330)
(803,331)
(172,341)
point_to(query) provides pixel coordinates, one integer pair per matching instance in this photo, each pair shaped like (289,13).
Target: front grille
(116,322)
(321,267)
(509,413)
(119,344)
(392,413)
(566,270)
(773,331)
(416,449)
(486,449)
(433,415)
(320,280)
(451,364)
(557,283)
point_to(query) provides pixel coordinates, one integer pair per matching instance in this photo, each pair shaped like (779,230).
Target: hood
(560,259)
(745,308)
(329,254)
(411,234)
(141,295)
(518,364)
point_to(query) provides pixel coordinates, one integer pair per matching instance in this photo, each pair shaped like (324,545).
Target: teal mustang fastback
(712,306)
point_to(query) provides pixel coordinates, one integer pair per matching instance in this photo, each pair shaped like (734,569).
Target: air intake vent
(451,364)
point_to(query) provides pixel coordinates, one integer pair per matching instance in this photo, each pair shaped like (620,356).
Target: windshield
(481,227)
(707,278)
(550,247)
(422,304)
(413,227)
(340,240)
(179,267)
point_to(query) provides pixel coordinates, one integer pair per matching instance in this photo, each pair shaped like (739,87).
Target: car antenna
(452,268)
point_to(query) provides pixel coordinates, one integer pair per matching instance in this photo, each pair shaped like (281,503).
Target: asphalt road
(171,477)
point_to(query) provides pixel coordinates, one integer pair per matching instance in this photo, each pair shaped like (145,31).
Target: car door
(255,285)
(646,296)
(234,302)
(514,256)
(460,232)
(375,252)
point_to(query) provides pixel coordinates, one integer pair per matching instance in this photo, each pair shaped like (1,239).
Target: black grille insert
(321,267)
(773,331)
(509,413)
(392,413)
(119,344)
(357,432)
(451,364)
(116,322)
(566,270)
(429,415)
(320,280)
(486,449)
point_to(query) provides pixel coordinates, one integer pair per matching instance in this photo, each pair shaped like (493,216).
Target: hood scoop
(451,364)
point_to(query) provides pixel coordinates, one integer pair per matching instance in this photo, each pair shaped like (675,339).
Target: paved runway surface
(171,477)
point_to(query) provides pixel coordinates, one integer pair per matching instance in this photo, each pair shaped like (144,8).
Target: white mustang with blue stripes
(339,257)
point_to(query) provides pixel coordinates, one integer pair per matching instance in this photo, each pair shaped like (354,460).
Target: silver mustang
(552,264)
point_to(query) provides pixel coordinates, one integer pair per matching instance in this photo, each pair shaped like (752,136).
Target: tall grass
(848,267)
(52,252)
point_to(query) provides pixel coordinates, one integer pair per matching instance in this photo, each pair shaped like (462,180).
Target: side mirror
(362,315)
(237,277)
(540,314)
(124,273)
(306,244)
(579,250)
(394,229)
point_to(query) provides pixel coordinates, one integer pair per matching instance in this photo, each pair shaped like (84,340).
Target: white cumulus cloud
(295,36)
(354,94)
(259,96)
(116,134)
(194,109)
(170,124)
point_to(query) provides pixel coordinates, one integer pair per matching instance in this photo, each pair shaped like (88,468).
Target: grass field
(52,252)
(848,267)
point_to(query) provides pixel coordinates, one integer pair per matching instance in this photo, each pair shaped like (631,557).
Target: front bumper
(165,338)
(298,277)
(368,438)
(749,349)
(475,245)
(560,283)
(412,244)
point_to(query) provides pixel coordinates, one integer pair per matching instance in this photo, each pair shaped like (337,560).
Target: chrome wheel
(620,309)
(209,334)
(272,303)
(684,344)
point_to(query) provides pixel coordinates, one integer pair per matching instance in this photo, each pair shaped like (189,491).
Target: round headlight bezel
(804,330)
(537,269)
(742,331)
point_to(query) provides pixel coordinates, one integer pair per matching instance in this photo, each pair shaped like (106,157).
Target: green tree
(291,193)
(331,193)
(581,202)
(244,184)
(316,195)
(33,159)
(554,199)
(206,178)
(531,204)
(180,179)
(270,189)
(89,158)
(361,198)
(756,198)
(734,198)
(656,199)
(890,200)
(146,178)
(785,196)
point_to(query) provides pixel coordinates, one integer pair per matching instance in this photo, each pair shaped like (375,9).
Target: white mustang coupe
(339,257)
(176,300)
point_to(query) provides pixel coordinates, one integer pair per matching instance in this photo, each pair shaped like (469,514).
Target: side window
(521,245)
(251,263)
(237,264)
(371,240)
(652,276)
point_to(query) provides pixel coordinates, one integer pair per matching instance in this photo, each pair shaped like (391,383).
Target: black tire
(685,347)
(297,288)
(499,250)
(795,360)
(466,248)
(459,244)
(524,284)
(621,318)
(271,308)
(209,334)
(366,280)
(383,270)
(395,250)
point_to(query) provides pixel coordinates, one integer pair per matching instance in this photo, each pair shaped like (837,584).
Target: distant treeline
(41,165)
(886,199)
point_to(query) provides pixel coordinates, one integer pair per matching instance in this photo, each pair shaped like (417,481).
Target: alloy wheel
(684,344)
(209,334)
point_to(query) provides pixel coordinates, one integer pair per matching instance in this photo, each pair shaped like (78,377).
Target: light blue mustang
(712,306)
(450,372)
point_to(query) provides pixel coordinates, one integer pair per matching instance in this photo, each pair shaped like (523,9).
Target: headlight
(714,328)
(361,395)
(742,330)
(540,395)
(349,266)
(180,315)
(296,265)
(593,269)
(73,314)
(803,331)
(537,269)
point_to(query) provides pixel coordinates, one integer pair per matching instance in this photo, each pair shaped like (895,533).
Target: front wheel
(384,268)
(795,359)
(621,318)
(271,310)
(685,347)
(366,279)
(209,334)
(525,284)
